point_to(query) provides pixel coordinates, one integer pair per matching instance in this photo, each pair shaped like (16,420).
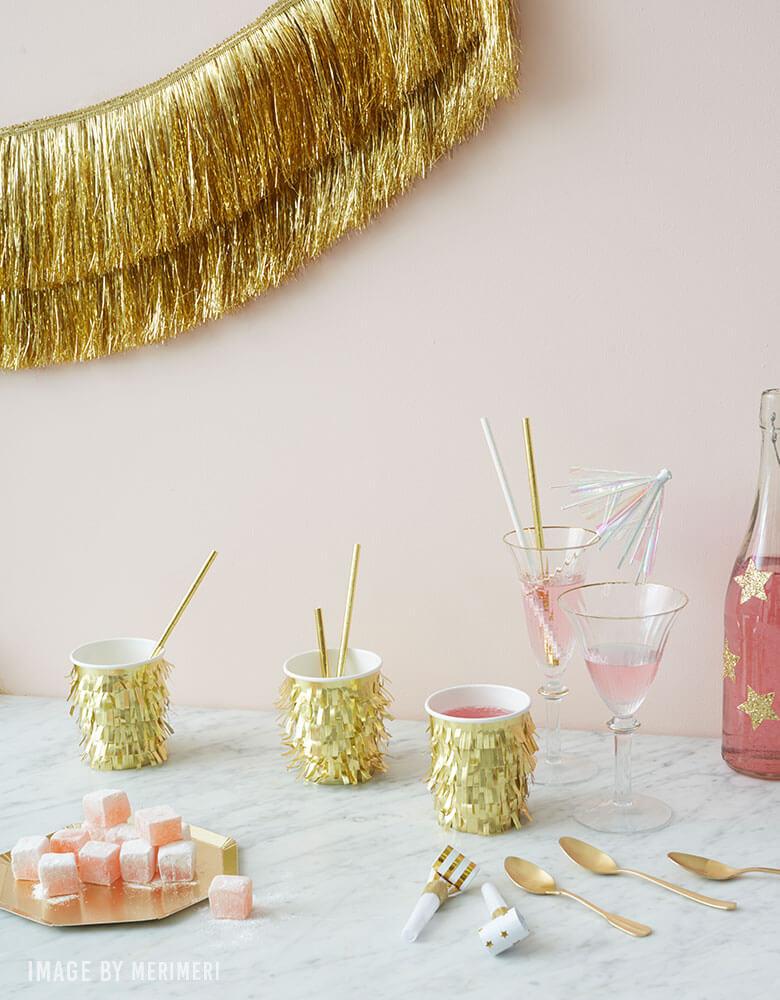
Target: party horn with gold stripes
(451,873)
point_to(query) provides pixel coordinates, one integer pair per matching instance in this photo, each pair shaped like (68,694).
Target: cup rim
(595,537)
(490,718)
(77,653)
(333,681)
(624,618)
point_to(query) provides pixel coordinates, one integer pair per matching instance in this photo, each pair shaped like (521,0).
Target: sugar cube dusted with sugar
(158,825)
(230,897)
(176,861)
(70,840)
(25,855)
(137,861)
(59,875)
(119,834)
(106,807)
(99,863)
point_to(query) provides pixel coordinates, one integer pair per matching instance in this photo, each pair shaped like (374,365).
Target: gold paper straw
(348,610)
(321,641)
(535,507)
(183,606)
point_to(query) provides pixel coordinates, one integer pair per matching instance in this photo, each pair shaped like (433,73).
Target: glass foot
(644,813)
(568,769)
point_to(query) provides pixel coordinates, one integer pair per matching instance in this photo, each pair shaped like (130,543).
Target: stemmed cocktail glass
(623,628)
(546,572)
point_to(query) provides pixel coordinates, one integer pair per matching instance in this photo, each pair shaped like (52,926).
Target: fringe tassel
(129,222)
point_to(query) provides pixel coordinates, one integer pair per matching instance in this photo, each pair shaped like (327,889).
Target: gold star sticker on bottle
(758,707)
(504,933)
(752,583)
(730,660)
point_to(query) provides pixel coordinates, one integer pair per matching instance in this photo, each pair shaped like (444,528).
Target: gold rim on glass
(623,618)
(554,548)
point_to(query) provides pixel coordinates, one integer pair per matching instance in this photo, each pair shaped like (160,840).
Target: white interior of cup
(512,700)
(115,654)
(359,663)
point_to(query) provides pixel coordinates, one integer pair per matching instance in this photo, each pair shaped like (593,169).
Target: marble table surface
(337,870)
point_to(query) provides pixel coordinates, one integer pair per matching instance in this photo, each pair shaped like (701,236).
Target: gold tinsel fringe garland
(131,221)
(335,734)
(480,773)
(122,715)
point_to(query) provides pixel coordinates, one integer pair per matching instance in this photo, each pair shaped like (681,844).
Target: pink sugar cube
(137,861)
(120,833)
(95,832)
(59,875)
(105,808)
(99,863)
(230,897)
(158,825)
(69,841)
(25,855)
(176,861)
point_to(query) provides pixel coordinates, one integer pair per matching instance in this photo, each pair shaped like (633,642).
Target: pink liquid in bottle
(753,635)
(622,673)
(476,712)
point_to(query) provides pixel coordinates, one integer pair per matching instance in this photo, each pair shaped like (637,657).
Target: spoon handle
(719,904)
(622,923)
(766,871)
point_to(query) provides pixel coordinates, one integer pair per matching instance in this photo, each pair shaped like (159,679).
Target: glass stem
(623,730)
(553,694)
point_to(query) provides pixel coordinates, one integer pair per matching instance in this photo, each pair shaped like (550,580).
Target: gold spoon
(602,864)
(534,879)
(714,869)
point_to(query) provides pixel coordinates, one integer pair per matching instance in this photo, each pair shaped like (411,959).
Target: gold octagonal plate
(122,902)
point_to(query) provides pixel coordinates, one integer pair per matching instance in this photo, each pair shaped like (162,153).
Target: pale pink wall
(603,258)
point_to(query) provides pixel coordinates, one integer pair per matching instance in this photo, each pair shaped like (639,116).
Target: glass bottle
(751,648)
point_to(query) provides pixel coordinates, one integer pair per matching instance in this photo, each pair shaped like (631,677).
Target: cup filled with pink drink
(482,756)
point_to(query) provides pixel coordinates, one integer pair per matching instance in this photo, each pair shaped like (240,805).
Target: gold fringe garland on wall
(128,222)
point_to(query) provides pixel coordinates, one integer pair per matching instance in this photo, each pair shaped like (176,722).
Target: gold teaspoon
(534,879)
(602,864)
(713,869)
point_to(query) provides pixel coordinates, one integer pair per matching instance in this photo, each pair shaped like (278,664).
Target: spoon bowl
(705,867)
(589,857)
(530,877)
(708,868)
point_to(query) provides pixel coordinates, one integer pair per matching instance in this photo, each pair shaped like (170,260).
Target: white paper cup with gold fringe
(119,696)
(334,727)
(481,767)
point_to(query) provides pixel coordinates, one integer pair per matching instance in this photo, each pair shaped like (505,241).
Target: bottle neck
(763,535)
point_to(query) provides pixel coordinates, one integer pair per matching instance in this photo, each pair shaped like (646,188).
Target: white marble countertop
(337,870)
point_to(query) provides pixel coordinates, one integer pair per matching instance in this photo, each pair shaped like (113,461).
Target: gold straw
(535,507)
(348,610)
(183,606)
(321,642)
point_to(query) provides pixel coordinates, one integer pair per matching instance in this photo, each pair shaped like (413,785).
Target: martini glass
(546,572)
(623,628)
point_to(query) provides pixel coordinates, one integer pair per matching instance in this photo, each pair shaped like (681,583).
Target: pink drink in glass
(753,635)
(476,712)
(549,630)
(622,673)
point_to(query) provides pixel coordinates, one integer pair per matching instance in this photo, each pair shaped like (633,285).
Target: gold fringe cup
(122,714)
(480,768)
(334,728)
(131,221)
